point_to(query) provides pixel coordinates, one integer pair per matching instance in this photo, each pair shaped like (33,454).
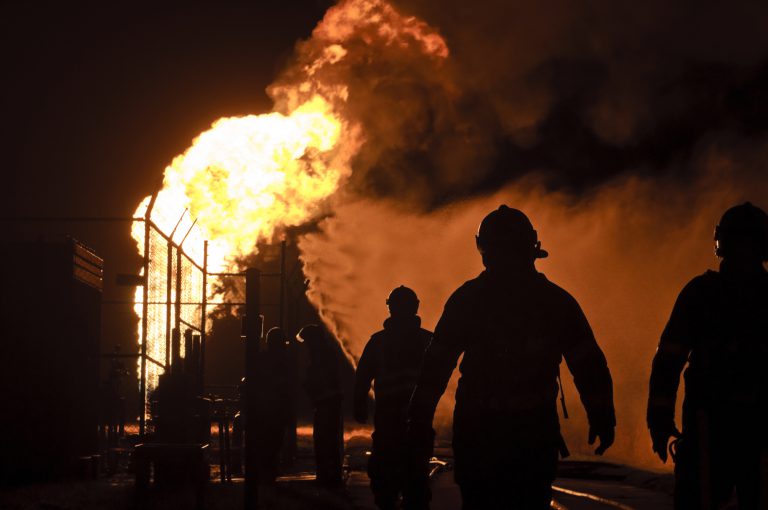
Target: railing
(173,305)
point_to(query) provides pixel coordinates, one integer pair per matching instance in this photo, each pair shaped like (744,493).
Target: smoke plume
(624,251)
(624,130)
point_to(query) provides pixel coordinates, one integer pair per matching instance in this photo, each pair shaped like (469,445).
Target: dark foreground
(581,484)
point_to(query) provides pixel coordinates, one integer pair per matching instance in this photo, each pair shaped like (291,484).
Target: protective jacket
(513,333)
(392,358)
(719,326)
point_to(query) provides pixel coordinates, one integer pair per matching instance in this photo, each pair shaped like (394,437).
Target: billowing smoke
(584,91)
(623,129)
(574,93)
(624,251)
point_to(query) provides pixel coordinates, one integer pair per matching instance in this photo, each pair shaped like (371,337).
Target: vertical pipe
(253,329)
(177,322)
(203,317)
(282,284)
(144,329)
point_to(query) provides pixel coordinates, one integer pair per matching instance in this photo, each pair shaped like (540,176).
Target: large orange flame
(246,178)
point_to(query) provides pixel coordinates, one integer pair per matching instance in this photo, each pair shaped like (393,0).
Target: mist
(623,130)
(624,251)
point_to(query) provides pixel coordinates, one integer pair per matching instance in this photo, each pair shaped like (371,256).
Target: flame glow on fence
(246,178)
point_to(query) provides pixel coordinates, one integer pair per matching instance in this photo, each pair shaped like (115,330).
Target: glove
(661,423)
(660,434)
(606,434)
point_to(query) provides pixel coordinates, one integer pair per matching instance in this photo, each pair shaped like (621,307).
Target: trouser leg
(416,491)
(522,480)
(705,469)
(328,442)
(475,495)
(750,479)
(385,492)
(385,473)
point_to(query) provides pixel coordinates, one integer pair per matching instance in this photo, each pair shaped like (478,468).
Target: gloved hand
(606,433)
(662,427)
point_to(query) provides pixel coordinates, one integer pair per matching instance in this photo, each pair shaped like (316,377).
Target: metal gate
(172,308)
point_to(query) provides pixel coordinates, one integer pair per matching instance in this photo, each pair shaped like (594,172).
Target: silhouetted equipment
(290,446)
(51,317)
(253,333)
(719,327)
(513,327)
(179,413)
(174,299)
(113,400)
(224,411)
(177,463)
(323,386)
(392,360)
(176,452)
(237,440)
(275,402)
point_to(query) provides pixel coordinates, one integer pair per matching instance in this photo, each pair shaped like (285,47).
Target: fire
(246,178)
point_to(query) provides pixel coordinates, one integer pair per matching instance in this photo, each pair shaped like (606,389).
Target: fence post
(253,329)
(144,317)
(168,296)
(203,317)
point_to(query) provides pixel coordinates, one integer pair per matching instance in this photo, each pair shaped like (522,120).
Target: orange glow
(247,178)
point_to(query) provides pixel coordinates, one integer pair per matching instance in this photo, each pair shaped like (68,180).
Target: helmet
(508,229)
(403,301)
(740,225)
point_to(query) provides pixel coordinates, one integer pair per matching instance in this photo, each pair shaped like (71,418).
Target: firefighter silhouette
(513,327)
(275,396)
(719,326)
(392,361)
(323,386)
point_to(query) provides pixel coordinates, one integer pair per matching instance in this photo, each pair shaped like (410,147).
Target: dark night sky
(96,101)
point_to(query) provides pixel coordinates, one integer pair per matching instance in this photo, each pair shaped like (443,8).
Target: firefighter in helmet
(719,326)
(392,360)
(513,327)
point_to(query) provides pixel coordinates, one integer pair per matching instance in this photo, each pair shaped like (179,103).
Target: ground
(582,484)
